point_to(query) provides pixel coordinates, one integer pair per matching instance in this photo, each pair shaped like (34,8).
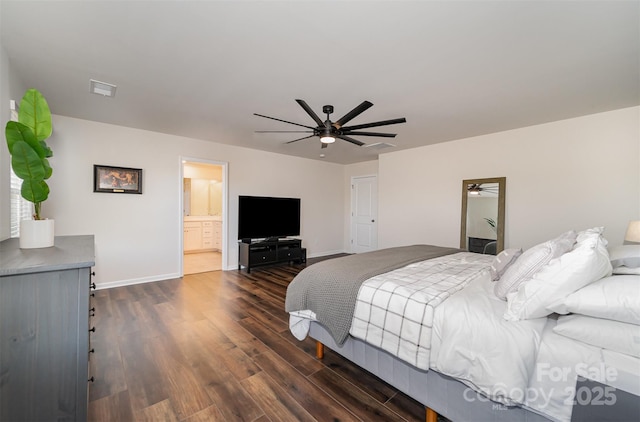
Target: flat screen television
(261,217)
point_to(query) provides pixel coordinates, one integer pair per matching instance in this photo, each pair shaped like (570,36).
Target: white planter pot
(36,234)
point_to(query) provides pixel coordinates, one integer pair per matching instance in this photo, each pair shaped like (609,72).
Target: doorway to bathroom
(203,215)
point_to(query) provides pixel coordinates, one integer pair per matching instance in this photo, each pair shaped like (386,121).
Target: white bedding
(299,323)
(552,388)
(472,342)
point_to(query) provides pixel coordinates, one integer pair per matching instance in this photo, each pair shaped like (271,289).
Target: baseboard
(130,282)
(326,253)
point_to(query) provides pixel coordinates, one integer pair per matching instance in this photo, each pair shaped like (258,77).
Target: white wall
(571,174)
(138,236)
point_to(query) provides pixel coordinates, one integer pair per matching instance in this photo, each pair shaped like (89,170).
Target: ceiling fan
(328,131)
(476,188)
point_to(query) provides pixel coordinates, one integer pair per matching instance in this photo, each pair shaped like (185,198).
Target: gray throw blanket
(329,288)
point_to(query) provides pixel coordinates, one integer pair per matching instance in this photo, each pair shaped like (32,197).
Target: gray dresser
(44,330)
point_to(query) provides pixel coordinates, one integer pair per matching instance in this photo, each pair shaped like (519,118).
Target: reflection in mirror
(202,197)
(482,221)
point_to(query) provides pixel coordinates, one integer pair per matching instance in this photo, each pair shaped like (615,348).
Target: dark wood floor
(216,346)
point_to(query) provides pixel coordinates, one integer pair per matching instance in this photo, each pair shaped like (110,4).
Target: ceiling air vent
(102,88)
(379,145)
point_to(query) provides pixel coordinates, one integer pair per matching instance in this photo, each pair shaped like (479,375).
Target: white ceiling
(454,69)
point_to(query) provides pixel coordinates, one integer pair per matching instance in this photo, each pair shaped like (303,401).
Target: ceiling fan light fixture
(474,190)
(326,137)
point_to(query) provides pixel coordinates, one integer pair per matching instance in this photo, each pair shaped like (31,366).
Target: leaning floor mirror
(482,221)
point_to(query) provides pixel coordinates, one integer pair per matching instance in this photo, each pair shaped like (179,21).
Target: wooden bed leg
(432,416)
(319,350)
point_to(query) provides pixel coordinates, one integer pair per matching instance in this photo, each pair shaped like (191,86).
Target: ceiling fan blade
(284,131)
(280,120)
(384,135)
(353,113)
(310,112)
(300,139)
(353,141)
(375,124)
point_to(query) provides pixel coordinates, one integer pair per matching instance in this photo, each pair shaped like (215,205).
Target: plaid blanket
(329,288)
(394,311)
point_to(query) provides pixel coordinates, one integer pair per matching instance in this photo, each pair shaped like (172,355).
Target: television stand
(268,252)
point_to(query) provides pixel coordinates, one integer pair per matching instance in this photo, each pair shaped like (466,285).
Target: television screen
(265,217)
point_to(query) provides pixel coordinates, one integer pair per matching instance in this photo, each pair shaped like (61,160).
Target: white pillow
(502,261)
(616,298)
(625,270)
(589,233)
(625,259)
(532,261)
(605,333)
(586,263)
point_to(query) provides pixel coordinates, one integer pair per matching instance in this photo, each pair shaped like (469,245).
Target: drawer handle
(92,351)
(92,379)
(92,286)
(92,329)
(92,311)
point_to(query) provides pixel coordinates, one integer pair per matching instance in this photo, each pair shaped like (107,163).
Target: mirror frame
(502,185)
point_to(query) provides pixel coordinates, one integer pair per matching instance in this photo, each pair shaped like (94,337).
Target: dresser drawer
(291,253)
(262,256)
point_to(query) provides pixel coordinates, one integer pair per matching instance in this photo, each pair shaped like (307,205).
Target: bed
(550,333)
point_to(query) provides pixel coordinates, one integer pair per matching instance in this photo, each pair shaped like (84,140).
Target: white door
(364,214)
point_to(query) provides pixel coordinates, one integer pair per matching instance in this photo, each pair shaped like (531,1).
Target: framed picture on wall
(117,179)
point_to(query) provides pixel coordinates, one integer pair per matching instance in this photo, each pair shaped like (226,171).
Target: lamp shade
(633,232)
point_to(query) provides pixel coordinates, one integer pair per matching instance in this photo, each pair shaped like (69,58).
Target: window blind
(21,209)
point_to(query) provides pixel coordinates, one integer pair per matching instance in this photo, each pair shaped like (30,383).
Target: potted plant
(29,160)
(491,223)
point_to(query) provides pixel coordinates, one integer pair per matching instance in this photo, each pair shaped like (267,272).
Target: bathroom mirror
(202,197)
(483,210)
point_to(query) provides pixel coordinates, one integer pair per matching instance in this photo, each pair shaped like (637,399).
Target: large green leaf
(47,151)
(35,191)
(16,131)
(34,112)
(48,171)
(26,163)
